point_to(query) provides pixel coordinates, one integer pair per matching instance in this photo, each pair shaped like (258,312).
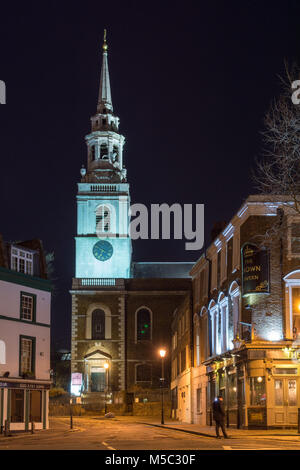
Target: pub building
(25,297)
(247,318)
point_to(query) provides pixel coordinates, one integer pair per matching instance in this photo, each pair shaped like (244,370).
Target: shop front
(23,403)
(260,388)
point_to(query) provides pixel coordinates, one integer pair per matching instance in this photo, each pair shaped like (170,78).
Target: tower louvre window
(93,153)
(103,219)
(103,152)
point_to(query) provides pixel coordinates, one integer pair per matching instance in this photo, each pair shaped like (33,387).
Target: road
(104,434)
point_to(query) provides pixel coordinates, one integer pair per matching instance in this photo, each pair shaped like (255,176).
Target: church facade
(121,311)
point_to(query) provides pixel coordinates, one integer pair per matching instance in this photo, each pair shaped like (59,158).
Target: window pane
(278,384)
(143,325)
(231,386)
(98,324)
(17,406)
(26,307)
(292,393)
(296,300)
(257,391)
(26,355)
(36,406)
(285,370)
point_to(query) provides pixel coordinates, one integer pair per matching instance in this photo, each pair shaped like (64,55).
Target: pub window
(35,406)
(257,391)
(98,324)
(17,406)
(143,373)
(296,312)
(295,238)
(143,323)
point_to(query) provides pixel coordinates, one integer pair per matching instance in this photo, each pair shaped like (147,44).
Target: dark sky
(190,81)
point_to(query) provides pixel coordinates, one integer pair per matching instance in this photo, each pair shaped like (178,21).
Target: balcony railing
(90,283)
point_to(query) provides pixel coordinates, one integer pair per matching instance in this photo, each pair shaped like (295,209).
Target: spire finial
(105,46)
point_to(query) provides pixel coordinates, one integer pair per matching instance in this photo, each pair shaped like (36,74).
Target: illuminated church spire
(104,100)
(104,142)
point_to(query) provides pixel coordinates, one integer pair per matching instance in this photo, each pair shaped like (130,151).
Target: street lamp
(162,353)
(106,367)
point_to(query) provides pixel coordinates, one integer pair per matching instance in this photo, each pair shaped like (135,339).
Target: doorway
(98,381)
(285,401)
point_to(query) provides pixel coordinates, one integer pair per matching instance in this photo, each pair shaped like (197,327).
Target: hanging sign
(255,270)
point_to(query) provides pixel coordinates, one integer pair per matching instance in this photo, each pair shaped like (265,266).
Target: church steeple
(103,243)
(104,100)
(105,143)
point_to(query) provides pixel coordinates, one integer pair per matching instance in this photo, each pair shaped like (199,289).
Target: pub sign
(255,269)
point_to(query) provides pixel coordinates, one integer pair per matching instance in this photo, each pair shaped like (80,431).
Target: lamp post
(162,353)
(106,367)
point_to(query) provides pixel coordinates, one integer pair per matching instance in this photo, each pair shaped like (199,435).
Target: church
(121,310)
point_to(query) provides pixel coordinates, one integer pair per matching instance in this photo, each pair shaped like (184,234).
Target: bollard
(32,427)
(6,428)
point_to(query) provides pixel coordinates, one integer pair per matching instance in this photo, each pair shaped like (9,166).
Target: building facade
(246,318)
(25,298)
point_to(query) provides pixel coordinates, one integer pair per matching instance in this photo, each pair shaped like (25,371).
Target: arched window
(98,324)
(103,219)
(234,292)
(143,324)
(115,153)
(103,152)
(2,352)
(143,373)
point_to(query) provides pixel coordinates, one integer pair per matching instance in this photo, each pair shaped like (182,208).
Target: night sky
(190,81)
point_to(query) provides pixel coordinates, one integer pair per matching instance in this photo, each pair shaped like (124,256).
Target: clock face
(103,250)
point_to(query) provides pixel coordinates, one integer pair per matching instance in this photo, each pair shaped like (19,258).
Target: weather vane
(104,43)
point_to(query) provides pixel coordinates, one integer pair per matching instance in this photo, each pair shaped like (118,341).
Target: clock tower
(103,244)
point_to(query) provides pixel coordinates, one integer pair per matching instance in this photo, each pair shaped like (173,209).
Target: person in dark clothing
(219,416)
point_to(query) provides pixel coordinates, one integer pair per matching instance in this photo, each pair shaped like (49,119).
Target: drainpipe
(209,328)
(191,352)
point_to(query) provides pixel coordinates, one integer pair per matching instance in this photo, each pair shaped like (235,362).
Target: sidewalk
(209,431)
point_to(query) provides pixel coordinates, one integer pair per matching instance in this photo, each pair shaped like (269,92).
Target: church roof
(162,270)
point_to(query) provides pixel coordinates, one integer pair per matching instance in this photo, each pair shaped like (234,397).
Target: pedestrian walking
(219,417)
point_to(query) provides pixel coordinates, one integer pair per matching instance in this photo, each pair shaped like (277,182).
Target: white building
(25,298)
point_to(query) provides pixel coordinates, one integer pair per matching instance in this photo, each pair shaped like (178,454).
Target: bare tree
(278,172)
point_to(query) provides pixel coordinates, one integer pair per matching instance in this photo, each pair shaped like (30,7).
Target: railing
(107,188)
(97,282)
